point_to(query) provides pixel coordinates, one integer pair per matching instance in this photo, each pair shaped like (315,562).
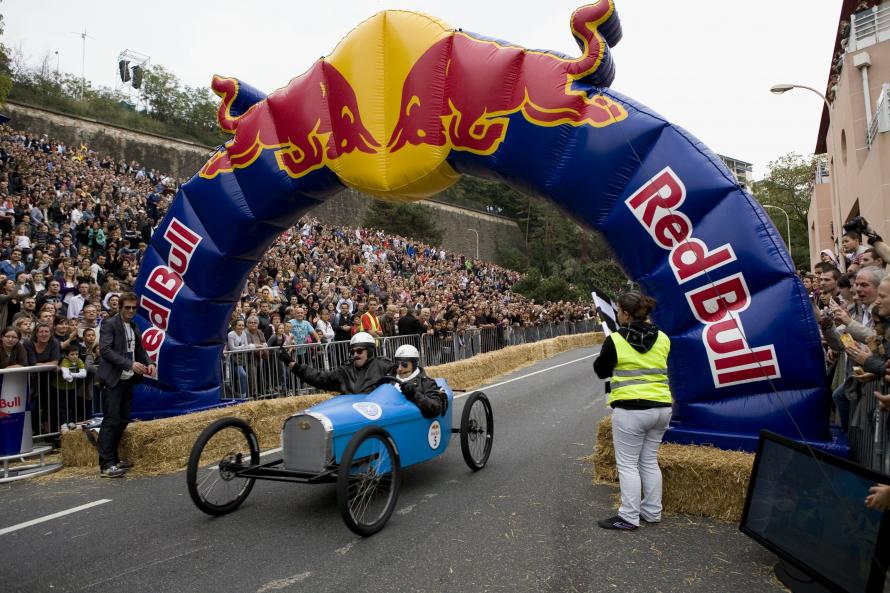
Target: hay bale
(163,446)
(703,481)
(603,459)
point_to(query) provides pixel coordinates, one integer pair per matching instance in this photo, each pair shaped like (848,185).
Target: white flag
(606,312)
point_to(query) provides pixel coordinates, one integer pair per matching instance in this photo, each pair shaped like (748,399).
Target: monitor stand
(796,580)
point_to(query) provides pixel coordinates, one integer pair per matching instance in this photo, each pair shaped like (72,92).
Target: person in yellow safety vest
(370,322)
(636,359)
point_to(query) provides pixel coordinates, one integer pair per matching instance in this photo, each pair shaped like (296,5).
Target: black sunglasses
(404,364)
(359,350)
(129,307)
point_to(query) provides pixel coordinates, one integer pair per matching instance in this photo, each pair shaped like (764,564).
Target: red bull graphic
(15,413)
(403,106)
(455,94)
(312,120)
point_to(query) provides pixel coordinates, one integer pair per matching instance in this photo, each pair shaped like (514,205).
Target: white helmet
(407,352)
(362,340)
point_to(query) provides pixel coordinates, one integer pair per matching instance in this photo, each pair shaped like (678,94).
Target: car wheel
(476,426)
(368,480)
(225,447)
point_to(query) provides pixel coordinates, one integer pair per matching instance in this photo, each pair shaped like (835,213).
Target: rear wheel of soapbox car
(226,446)
(476,430)
(368,480)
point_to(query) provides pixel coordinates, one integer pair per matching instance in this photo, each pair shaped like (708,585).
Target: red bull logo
(430,89)
(11,405)
(312,120)
(472,112)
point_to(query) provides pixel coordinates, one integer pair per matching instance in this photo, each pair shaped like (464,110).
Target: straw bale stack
(702,481)
(163,446)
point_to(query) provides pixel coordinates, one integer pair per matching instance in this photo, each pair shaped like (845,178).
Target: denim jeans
(839,397)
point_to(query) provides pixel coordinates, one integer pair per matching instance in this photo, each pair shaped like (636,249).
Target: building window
(844,147)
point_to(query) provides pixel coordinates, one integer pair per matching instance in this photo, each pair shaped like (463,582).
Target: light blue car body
(417,439)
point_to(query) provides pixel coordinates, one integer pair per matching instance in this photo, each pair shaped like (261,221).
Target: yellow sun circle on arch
(376,58)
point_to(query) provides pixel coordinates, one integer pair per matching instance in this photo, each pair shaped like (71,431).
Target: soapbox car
(361,442)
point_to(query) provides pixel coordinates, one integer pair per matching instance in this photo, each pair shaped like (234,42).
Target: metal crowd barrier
(56,402)
(869,432)
(259,374)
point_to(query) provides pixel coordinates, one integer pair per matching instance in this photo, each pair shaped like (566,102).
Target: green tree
(200,108)
(162,90)
(554,246)
(550,288)
(5,69)
(485,195)
(187,113)
(789,185)
(409,220)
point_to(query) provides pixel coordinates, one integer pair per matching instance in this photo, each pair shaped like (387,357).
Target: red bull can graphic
(15,413)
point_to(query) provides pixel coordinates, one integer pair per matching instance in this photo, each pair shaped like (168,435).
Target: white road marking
(284,583)
(405,510)
(121,575)
(556,366)
(37,521)
(345,549)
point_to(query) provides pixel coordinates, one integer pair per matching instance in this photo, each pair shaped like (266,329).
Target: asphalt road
(526,522)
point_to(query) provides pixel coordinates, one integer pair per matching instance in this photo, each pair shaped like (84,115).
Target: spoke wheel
(368,481)
(225,447)
(476,430)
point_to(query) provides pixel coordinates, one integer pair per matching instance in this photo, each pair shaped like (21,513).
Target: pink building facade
(854,132)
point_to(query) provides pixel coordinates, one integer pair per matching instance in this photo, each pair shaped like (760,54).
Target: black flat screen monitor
(808,507)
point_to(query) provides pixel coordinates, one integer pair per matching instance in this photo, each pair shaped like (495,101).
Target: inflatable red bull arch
(401,108)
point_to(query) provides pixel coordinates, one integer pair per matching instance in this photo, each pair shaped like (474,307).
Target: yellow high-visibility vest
(641,375)
(372,321)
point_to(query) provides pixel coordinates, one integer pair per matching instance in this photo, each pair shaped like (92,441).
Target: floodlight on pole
(778,89)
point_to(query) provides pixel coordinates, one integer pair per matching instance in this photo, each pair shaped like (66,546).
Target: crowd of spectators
(73,229)
(332,276)
(74,226)
(851,298)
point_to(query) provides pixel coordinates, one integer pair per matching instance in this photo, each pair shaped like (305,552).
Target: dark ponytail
(636,305)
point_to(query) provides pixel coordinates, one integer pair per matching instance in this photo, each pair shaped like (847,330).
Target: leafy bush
(188,114)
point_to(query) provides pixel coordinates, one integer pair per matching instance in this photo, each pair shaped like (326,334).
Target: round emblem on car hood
(369,410)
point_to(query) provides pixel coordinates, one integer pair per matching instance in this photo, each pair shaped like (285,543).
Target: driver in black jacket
(361,375)
(414,384)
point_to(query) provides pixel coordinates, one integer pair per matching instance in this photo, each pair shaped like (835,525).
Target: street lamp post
(787,223)
(778,89)
(477,241)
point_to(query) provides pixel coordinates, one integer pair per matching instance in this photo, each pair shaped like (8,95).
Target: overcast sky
(704,65)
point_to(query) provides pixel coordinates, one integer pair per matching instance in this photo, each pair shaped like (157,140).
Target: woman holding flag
(635,358)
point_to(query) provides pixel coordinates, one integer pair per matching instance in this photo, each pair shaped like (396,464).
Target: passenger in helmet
(417,388)
(360,375)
